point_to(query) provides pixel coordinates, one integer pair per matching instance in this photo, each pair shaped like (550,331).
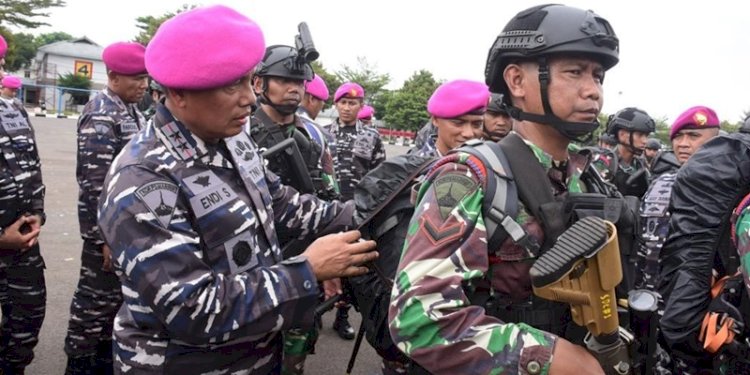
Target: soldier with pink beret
(457,111)
(349,90)
(11,82)
(3,50)
(125,58)
(698,117)
(365,115)
(316,94)
(191,214)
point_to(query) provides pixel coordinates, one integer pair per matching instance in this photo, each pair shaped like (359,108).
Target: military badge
(160,198)
(240,253)
(450,189)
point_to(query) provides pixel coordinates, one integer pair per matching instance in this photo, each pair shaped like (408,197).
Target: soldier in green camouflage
(549,62)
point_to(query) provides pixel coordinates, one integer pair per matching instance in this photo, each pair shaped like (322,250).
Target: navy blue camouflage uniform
(23,294)
(357,149)
(105,126)
(192,227)
(654,229)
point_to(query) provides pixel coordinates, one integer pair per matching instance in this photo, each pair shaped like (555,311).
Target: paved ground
(61,246)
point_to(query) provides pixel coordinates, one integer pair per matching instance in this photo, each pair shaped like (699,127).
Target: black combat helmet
(544,30)
(653,144)
(632,120)
(284,61)
(496,103)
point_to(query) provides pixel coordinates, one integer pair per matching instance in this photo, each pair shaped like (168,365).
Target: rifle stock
(582,269)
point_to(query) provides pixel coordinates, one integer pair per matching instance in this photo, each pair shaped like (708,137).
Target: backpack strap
(500,205)
(534,186)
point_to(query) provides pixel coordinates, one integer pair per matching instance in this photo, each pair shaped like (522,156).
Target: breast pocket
(363,147)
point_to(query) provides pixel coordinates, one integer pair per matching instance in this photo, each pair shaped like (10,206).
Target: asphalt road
(61,247)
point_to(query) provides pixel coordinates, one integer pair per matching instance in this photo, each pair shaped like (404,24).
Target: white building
(81,56)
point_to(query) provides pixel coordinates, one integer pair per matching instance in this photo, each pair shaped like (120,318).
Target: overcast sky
(672,55)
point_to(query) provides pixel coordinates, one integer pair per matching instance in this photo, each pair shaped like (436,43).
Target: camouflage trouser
(23,297)
(298,343)
(93,309)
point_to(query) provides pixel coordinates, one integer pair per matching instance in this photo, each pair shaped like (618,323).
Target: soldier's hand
(19,236)
(107,258)
(568,358)
(340,255)
(332,287)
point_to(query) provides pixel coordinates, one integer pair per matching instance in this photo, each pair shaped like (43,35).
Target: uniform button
(533,367)
(307,284)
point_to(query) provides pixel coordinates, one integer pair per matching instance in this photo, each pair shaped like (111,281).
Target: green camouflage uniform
(743,244)
(445,261)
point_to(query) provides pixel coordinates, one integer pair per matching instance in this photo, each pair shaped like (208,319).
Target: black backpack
(384,208)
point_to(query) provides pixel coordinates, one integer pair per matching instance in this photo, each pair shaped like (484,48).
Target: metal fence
(52,99)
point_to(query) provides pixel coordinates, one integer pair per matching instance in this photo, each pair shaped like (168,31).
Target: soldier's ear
(515,77)
(177,97)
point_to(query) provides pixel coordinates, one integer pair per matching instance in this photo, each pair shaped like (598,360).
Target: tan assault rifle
(582,269)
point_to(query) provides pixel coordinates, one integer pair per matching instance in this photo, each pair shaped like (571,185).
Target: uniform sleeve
(431,318)
(39,190)
(164,271)
(97,145)
(299,215)
(743,245)
(702,196)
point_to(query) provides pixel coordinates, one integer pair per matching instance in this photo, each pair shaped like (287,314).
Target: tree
(149,24)
(406,108)
(21,51)
(75,81)
(21,12)
(366,76)
(49,38)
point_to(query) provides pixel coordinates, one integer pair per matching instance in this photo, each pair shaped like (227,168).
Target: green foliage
(75,81)
(21,12)
(49,38)
(149,24)
(23,47)
(406,108)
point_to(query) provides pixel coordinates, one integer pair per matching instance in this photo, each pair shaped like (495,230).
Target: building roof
(80,48)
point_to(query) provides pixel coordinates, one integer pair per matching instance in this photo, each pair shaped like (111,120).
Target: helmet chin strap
(283,109)
(574,131)
(630,146)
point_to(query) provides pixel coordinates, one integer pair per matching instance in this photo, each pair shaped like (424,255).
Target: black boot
(80,365)
(341,324)
(104,358)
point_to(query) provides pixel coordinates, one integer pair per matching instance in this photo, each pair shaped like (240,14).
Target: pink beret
(3,46)
(11,82)
(317,88)
(698,117)
(349,89)
(125,58)
(366,112)
(457,98)
(204,48)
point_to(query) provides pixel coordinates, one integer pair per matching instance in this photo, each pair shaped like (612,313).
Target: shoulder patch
(450,189)
(160,198)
